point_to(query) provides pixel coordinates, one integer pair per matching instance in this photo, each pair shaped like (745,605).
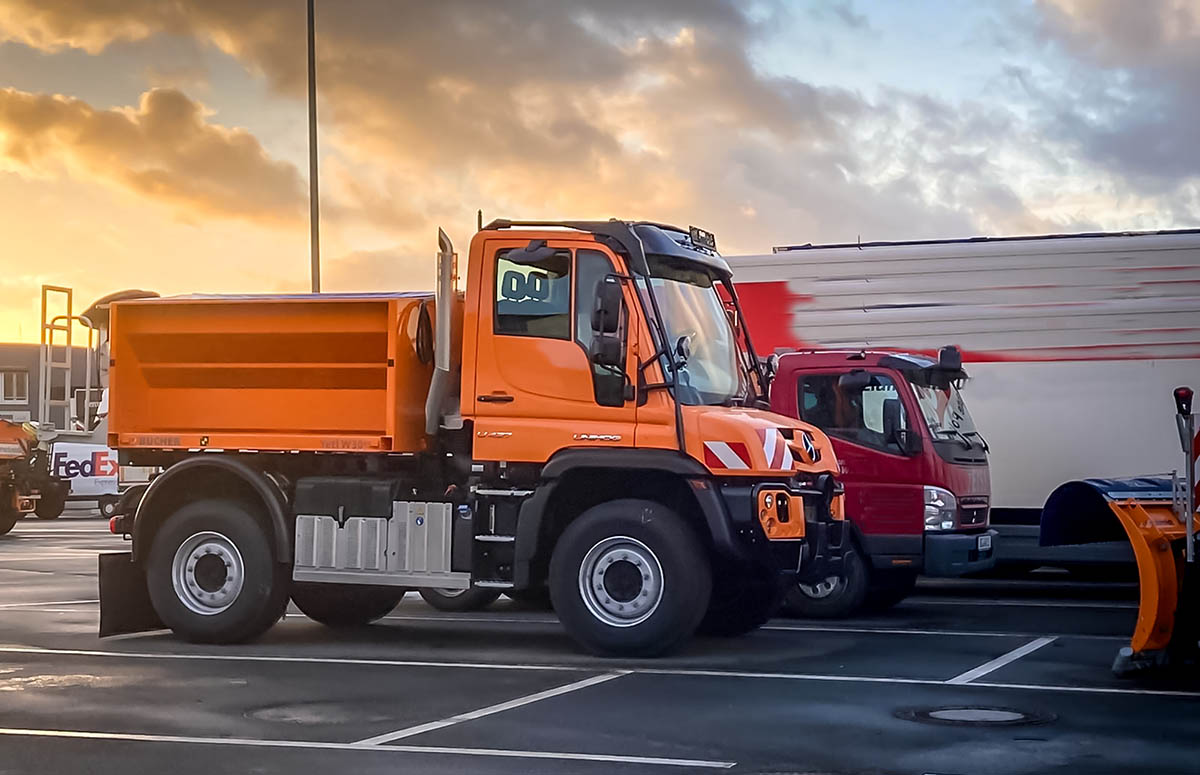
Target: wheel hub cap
(823,588)
(621,581)
(207,573)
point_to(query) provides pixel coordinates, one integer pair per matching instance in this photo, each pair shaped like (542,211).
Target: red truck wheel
(212,573)
(834,597)
(630,578)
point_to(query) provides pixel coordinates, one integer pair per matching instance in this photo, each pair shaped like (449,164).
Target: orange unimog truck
(584,417)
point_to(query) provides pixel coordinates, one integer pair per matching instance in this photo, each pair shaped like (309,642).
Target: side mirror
(950,358)
(854,381)
(607,350)
(908,440)
(773,364)
(606,311)
(683,350)
(534,253)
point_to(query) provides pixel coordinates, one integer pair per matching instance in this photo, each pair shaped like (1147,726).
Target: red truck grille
(972,513)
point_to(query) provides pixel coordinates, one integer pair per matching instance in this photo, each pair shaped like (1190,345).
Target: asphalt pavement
(505,691)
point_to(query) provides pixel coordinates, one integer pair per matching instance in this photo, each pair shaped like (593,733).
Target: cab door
(883,483)
(536,388)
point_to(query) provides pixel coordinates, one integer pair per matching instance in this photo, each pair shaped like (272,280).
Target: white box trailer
(1073,343)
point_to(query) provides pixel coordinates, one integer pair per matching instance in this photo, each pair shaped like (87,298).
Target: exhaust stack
(439,384)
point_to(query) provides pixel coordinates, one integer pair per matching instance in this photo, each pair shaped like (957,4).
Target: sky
(162,145)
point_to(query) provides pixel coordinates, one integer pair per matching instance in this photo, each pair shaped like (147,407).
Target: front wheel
(345,605)
(108,506)
(630,578)
(460,600)
(212,573)
(8,518)
(740,604)
(833,597)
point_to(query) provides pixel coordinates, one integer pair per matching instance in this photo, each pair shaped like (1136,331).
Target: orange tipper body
(588,375)
(316,373)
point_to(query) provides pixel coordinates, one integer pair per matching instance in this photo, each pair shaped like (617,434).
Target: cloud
(1133,102)
(598,108)
(164,149)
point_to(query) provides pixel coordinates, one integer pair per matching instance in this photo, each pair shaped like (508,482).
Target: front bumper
(955,554)
(817,555)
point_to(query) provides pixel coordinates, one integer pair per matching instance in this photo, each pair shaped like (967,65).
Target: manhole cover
(969,715)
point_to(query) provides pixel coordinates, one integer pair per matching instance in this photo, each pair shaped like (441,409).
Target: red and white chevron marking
(775,449)
(726,454)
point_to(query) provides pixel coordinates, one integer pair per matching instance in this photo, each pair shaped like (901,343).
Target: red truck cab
(913,464)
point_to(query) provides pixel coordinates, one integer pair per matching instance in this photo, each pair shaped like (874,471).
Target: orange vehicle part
(327,373)
(1154,532)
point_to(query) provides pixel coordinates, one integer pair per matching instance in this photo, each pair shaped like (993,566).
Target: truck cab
(914,466)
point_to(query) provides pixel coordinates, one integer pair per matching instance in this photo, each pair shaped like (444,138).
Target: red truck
(914,466)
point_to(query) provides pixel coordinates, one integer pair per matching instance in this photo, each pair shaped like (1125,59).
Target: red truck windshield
(944,410)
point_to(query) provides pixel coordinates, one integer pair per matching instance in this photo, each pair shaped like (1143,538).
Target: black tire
(8,519)
(739,605)
(616,540)
(533,598)
(249,609)
(345,605)
(108,506)
(835,597)
(460,600)
(889,587)
(52,503)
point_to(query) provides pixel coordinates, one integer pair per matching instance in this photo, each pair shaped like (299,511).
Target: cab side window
(534,299)
(856,415)
(591,267)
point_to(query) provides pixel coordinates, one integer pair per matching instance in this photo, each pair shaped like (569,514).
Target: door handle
(495,398)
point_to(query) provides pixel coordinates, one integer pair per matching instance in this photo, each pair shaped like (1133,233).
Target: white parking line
(586,669)
(1019,603)
(939,633)
(47,603)
(417,749)
(1001,661)
(528,699)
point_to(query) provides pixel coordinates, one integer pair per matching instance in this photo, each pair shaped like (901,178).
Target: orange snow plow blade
(1156,535)
(1147,512)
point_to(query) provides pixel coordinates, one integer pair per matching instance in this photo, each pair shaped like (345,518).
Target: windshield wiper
(982,440)
(953,433)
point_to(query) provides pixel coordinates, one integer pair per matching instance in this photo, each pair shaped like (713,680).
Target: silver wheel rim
(197,575)
(611,590)
(823,588)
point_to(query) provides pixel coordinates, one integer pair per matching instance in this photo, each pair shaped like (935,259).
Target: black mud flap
(124,600)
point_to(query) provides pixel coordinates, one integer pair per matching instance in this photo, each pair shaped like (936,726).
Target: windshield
(944,411)
(692,309)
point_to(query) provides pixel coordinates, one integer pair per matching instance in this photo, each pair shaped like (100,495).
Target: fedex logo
(102,462)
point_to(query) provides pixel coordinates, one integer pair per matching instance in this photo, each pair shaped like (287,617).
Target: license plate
(984,543)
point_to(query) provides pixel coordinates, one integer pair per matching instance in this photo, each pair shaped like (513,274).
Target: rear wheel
(889,587)
(740,605)
(460,600)
(345,605)
(630,578)
(833,597)
(213,575)
(52,503)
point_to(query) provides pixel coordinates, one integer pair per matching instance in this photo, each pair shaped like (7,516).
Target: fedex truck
(1070,342)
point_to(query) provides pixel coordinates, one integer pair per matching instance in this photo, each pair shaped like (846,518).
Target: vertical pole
(1190,423)
(314,214)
